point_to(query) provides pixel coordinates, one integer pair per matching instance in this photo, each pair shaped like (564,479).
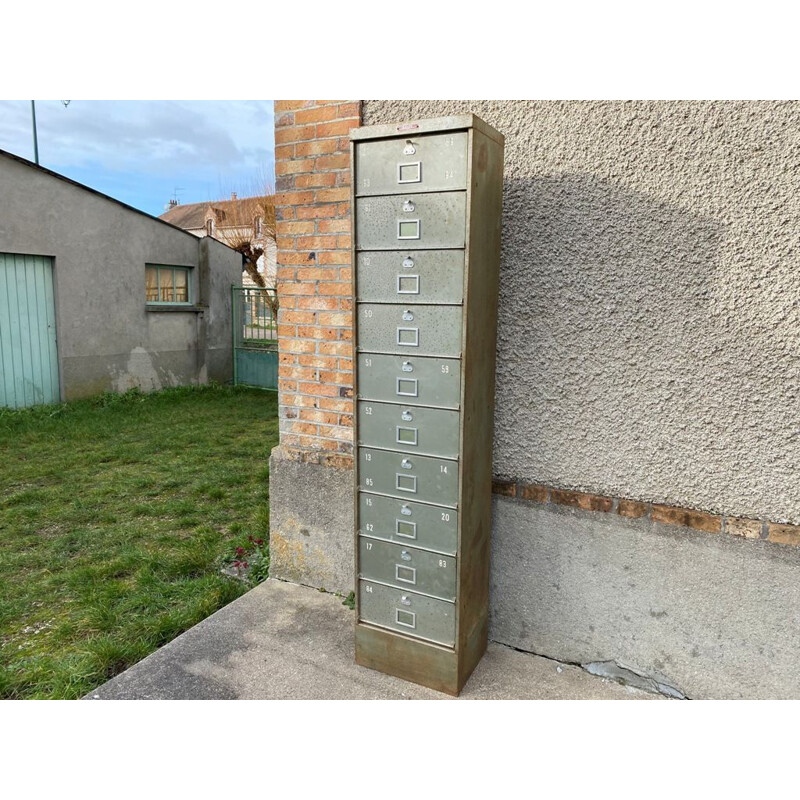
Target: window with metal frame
(167,285)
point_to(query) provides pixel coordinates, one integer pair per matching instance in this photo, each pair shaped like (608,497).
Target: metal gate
(255,336)
(28,356)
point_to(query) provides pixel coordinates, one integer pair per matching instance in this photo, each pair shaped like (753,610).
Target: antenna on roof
(174,201)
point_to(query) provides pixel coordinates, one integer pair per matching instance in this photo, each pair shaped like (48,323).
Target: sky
(146,152)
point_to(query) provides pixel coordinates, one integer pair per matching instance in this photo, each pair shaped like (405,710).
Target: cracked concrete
(282,641)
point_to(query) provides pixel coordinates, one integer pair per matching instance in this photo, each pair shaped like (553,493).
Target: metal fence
(255,336)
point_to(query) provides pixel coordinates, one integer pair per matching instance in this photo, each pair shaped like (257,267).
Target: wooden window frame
(175,269)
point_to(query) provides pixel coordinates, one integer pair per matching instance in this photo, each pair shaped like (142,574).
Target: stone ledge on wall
(771,531)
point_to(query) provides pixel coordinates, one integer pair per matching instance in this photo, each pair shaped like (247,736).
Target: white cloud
(211,138)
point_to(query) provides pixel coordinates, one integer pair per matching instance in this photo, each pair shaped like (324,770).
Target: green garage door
(28,358)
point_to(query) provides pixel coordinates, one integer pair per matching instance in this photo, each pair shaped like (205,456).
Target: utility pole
(35,139)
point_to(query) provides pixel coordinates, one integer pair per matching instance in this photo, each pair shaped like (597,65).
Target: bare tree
(247,225)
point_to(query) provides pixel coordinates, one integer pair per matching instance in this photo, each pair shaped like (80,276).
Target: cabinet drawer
(431,480)
(407,568)
(416,330)
(411,380)
(430,431)
(405,522)
(411,222)
(408,613)
(417,164)
(424,276)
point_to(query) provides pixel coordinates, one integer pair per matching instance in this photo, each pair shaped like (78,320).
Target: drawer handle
(405,555)
(405,483)
(406,529)
(408,316)
(409,149)
(405,510)
(408,262)
(407,366)
(406,464)
(406,618)
(407,436)
(407,387)
(408,229)
(408,206)
(404,599)
(407,416)
(405,574)
(408,337)
(408,284)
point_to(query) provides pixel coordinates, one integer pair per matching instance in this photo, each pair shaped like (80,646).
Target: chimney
(233,195)
(173,203)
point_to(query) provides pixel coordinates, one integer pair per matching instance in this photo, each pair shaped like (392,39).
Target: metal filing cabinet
(427,205)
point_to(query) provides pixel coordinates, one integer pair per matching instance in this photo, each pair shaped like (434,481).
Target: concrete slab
(289,642)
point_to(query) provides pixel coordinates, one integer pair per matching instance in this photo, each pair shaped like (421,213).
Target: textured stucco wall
(107,341)
(649,329)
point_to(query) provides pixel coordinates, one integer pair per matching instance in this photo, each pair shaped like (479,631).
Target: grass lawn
(117,515)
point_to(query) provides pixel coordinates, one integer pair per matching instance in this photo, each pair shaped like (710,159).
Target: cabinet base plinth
(410,659)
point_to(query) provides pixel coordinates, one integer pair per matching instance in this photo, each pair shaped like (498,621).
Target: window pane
(165,281)
(181,286)
(151,284)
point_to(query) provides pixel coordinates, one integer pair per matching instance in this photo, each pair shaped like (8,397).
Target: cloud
(149,137)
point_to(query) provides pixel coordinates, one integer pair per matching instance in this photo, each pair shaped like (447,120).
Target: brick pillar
(315,373)
(311,491)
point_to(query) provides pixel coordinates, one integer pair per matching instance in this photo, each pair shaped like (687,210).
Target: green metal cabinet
(427,202)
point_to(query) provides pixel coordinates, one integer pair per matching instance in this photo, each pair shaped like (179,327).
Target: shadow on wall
(610,375)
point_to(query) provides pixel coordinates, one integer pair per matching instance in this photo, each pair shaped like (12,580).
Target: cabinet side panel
(483,264)
(354,295)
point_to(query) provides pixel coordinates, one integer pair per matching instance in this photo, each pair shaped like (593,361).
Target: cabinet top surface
(433,125)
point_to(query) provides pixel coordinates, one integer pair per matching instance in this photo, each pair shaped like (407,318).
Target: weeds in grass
(117,515)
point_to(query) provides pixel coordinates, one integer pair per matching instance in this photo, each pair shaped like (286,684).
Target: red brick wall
(315,372)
